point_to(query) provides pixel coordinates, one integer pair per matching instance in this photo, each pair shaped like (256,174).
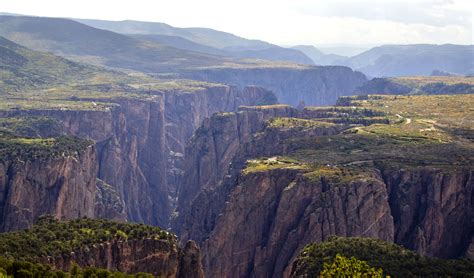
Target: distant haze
(290,22)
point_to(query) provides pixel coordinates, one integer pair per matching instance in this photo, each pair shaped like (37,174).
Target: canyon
(135,141)
(253,220)
(251,167)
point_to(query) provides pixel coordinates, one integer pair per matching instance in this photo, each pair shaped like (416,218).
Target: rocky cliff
(158,257)
(311,85)
(271,216)
(130,140)
(256,191)
(63,186)
(139,144)
(432,209)
(185,112)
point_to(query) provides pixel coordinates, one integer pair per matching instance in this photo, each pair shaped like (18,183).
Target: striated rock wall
(312,85)
(255,224)
(60,186)
(433,209)
(215,156)
(140,145)
(269,217)
(160,257)
(130,142)
(185,112)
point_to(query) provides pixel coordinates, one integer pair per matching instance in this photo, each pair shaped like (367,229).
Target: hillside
(206,40)
(272,53)
(22,69)
(292,83)
(394,260)
(204,36)
(415,59)
(82,43)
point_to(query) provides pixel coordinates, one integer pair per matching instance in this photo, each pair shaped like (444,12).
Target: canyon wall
(130,140)
(62,186)
(255,224)
(161,258)
(311,85)
(139,144)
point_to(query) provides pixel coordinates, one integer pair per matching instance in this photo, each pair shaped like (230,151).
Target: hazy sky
(285,22)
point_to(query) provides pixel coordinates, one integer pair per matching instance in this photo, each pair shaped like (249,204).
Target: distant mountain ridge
(83,43)
(230,44)
(415,59)
(318,57)
(210,37)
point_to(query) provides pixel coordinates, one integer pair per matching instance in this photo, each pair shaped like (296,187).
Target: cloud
(438,13)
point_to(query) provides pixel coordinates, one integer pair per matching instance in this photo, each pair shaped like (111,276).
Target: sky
(284,22)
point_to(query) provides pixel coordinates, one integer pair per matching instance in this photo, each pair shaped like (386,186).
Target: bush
(344,267)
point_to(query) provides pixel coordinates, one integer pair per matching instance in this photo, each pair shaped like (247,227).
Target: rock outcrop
(130,142)
(159,257)
(311,85)
(432,209)
(269,217)
(61,186)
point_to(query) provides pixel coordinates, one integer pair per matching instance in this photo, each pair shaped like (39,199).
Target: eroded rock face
(313,85)
(159,257)
(433,209)
(108,204)
(269,217)
(130,143)
(61,186)
(140,145)
(255,224)
(186,111)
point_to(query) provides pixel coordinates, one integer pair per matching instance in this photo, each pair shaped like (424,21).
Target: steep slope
(128,248)
(417,59)
(292,85)
(395,261)
(60,172)
(256,193)
(138,128)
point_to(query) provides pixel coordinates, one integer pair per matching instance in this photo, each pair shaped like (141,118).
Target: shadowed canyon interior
(140,148)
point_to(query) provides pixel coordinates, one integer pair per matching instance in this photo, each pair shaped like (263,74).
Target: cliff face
(432,209)
(130,142)
(63,187)
(254,224)
(140,143)
(269,217)
(186,111)
(313,85)
(209,156)
(159,257)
